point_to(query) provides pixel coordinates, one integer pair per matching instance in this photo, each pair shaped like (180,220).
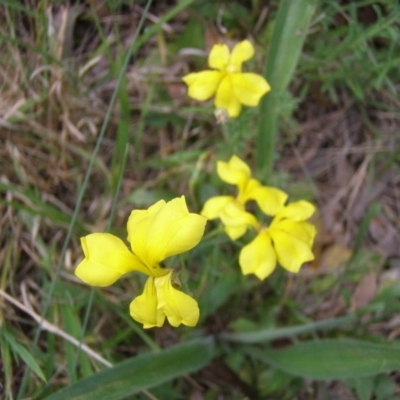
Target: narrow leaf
(333,359)
(141,372)
(25,355)
(266,335)
(284,52)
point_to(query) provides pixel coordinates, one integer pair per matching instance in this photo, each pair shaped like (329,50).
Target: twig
(48,326)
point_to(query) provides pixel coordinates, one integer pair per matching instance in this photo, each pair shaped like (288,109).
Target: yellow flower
(289,238)
(231,210)
(288,241)
(231,86)
(164,230)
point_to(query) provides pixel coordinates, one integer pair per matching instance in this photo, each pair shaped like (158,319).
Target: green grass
(81,150)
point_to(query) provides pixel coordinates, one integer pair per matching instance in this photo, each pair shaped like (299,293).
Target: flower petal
(235,232)
(296,211)
(219,57)
(179,307)
(271,200)
(106,259)
(235,172)
(236,220)
(291,251)
(170,230)
(258,257)
(246,190)
(225,98)
(139,227)
(213,206)
(143,308)
(248,88)
(242,52)
(202,85)
(301,230)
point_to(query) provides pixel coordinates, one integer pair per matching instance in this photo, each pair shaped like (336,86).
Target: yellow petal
(139,227)
(271,200)
(248,88)
(213,206)
(236,220)
(311,232)
(235,232)
(202,85)
(258,257)
(235,172)
(106,259)
(246,191)
(176,230)
(170,230)
(219,57)
(179,307)
(291,251)
(226,99)
(234,214)
(297,211)
(301,230)
(144,308)
(242,52)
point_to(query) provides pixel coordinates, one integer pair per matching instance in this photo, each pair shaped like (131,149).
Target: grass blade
(25,355)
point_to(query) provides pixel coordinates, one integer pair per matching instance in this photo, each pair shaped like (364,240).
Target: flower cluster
(168,228)
(164,230)
(232,87)
(287,240)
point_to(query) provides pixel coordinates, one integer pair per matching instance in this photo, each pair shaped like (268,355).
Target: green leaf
(385,388)
(333,359)
(218,294)
(287,40)
(141,372)
(364,387)
(24,354)
(273,381)
(266,335)
(193,36)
